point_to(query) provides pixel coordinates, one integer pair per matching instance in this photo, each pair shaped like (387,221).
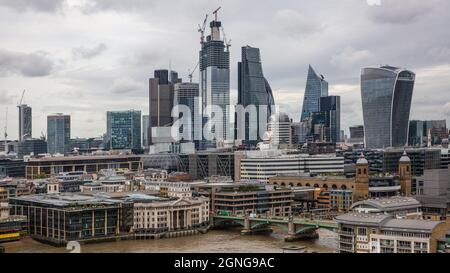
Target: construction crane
(227,42)
(201,29)
(215,13)
(21,98)
(192,73)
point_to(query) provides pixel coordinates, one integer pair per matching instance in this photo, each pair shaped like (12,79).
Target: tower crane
(21,98)
(192,73)
(227,42)
(215,13)
(201,29)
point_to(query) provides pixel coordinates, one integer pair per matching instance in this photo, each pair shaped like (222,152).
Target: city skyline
(95,71)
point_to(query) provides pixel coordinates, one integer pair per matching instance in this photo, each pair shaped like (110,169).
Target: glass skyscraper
(124,130)
(58,134)
(316,87)
(386,101)
(25,122)
(186,94)
(215,80)
(253,87)
(331,106)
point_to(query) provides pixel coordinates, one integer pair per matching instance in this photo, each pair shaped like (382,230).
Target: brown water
(215,241)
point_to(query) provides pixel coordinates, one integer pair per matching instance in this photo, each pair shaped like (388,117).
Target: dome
(405,158)
(362,160)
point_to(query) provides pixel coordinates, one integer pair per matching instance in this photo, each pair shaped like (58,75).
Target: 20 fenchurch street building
(386,101)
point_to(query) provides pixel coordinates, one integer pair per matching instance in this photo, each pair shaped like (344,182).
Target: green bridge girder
(301,225)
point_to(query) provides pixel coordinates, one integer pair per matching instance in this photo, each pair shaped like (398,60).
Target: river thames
(215,241)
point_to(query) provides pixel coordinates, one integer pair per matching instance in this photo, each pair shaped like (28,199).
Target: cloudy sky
(84,57)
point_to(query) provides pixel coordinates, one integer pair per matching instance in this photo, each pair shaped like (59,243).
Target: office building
(123,129)
(386,101)
(427,133)
(161,99)
(331,106)
(58,134)
(186,94)
(31,146)
(215,81)
(253,198)
(316,87)
(145,130)
(25,122)
(279,130)
(357,132)
(421,159)
(60,218)
(253,89)
(50,166)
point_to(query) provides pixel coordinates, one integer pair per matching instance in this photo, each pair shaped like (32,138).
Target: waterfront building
(25,122)
(383,233)
(316,87)
(253,89)
(214,64)
(386,101)
(60,218)
(331,106)
(48,166)
(156,217)
(58,134)
(243,199)
(341,200)
(123,130)
(398,206)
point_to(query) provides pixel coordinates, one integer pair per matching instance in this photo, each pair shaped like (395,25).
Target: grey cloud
(400,12)
(127,86)
(293,23)
(35,64)
(88,53)
(37,5)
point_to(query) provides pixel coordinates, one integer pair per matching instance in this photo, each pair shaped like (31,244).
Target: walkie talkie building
(386,101)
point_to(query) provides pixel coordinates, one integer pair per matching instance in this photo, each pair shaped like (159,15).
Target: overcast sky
(84,57)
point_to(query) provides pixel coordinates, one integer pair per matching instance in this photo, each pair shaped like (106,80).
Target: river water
(215,241)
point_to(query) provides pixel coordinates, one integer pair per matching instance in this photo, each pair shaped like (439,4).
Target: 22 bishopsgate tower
(386,101)
(215,81)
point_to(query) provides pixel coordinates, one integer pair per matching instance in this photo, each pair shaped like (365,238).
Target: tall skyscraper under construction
(215,80)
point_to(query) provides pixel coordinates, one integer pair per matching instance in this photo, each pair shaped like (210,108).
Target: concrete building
(48,166)
(58,134)
(31,146)
(341,200)
(382,233)
(397,206)
(279,129)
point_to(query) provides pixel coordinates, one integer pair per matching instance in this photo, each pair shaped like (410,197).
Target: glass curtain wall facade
(186,94)
(386,101)
(316,87)
(331,105)
(58,134)
(124,130)
(25,122)
(253,88)
(215,81)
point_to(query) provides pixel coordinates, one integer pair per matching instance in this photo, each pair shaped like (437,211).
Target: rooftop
(410,224)
(389,204)
(356,218)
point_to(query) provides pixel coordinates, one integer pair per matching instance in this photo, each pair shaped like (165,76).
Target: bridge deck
(280,220)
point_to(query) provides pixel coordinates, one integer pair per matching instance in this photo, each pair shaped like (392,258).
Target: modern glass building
(124,130)
(253,88)
(215,80)
(145,130)
(58,134)
(25,122)
(331,105)
(186,94)
(316,87)
(386,101)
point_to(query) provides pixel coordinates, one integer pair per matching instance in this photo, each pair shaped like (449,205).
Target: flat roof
(424,226)
(356,218)
(389,204)
(79,158)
